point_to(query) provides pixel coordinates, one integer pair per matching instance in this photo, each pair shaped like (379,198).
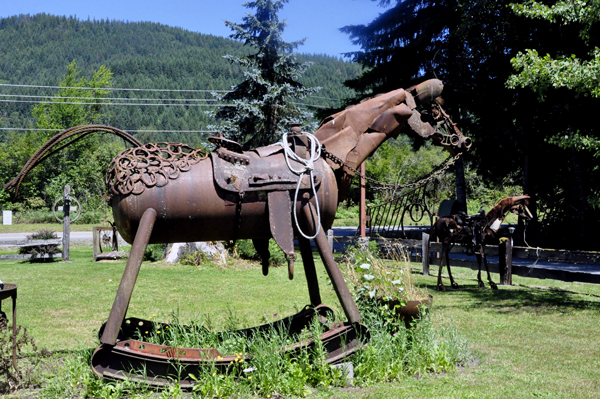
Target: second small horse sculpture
(472,232)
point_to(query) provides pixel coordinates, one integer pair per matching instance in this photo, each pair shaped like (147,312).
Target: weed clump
(27,355)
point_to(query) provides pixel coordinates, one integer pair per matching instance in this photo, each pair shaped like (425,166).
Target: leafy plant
(381,286)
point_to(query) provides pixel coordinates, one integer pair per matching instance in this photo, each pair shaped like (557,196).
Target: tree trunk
(461,186)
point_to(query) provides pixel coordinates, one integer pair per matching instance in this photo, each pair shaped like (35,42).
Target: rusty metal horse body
(472,232)
(164,193)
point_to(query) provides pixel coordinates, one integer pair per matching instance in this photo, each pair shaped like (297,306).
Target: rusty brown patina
(168,192)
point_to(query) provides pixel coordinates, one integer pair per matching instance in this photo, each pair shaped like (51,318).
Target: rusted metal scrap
(472,231)
(165,193)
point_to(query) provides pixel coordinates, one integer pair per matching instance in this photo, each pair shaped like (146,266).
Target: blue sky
(316,20)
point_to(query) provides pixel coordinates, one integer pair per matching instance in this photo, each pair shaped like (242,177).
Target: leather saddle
(265,169)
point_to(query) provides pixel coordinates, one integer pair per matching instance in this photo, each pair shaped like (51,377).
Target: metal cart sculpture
(163,193)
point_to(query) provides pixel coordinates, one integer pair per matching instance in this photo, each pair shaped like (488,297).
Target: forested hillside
(36,50)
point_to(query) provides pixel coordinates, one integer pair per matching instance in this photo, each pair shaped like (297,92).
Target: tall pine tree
(262,106)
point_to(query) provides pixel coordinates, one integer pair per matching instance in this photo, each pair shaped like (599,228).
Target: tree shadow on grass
(517,299)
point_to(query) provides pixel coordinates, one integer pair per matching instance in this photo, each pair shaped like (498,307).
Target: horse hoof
(454,286)
(441,287)
(481,285)
(493,286)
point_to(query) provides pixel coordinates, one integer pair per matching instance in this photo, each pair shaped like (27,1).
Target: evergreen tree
(469,45)
(262,105)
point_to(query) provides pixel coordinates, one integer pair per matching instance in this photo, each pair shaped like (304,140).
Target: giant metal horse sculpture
(472,232)
(162,193)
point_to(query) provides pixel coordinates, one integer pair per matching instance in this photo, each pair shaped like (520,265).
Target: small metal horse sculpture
(472,232)
(162,193)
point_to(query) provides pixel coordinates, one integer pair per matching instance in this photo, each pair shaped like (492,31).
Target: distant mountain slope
(35,50)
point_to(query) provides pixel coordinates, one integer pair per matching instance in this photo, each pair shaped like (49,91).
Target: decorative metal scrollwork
(153,164)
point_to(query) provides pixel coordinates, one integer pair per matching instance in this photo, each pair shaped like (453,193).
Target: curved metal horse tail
(60,141)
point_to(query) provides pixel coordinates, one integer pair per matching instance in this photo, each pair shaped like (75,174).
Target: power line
(92,102)
(134,89)
(127,130)
(95,103)
(114,88)
(108,98)
(325,98)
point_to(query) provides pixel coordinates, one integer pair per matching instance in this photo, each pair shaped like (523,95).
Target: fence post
(96,241)
(66,223)
(425,254)
(505,261)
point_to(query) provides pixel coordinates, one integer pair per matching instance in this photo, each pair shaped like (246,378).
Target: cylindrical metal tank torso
(193,207)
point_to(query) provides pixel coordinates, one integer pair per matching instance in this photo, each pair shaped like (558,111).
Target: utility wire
(133,89)
(127,130)
(113,88)
(108,98)
(92,102)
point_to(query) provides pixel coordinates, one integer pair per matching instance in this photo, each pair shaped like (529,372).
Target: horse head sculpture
(164,193)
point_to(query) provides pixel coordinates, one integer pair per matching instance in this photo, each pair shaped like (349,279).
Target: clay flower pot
(412,310)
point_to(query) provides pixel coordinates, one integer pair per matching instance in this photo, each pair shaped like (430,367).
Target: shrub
(154,252)
(244,249)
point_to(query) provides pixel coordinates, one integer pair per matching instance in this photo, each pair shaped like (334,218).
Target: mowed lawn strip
(538,338)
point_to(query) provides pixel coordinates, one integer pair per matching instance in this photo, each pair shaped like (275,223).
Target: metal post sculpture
(163,193)
(472,232)
(66,220)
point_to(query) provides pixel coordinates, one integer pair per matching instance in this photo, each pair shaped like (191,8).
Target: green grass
(63,304)
(538,338)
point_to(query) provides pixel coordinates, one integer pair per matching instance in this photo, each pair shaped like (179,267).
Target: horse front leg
(479,280)
(452,282)
(335,275)
(132,269)
(310,271)
(487,269)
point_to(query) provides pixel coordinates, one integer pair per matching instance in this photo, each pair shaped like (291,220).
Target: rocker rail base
(160,365)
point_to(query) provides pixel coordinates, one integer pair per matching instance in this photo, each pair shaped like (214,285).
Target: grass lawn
(538,338)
